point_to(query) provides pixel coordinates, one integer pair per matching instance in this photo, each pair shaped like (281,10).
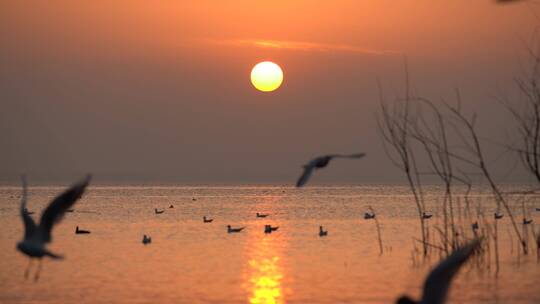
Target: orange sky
(168,27)
(174,75)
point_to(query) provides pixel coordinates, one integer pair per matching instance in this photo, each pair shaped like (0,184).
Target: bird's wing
(439,279)
(356,155)
(58,206)
(507,1)
(305,175)
(29,224)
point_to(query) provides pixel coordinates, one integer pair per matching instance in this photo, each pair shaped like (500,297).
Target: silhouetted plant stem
(378,230)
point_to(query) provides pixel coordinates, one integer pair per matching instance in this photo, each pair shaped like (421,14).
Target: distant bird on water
(438,281)
(498,215)
(321,162)
(322,232)
(261,215)
(80,231)
(270,229)
(368,216)
(156,211)
(234,230)
(207,220)
(37,236)
(171,206)
(537,209)
(426,215)
(526,221)
(146,240)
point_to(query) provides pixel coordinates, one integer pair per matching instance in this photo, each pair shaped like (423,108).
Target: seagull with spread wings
(438,281)
(36,237)
(321,162)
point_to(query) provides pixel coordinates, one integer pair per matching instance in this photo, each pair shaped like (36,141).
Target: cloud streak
(304,46)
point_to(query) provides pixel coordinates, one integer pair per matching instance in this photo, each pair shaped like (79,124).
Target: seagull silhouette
(438,281)
(270,229)
(146,240)
(234,230)
(368,215)
(321,162)
(81,231)
(322,232)
(37,236)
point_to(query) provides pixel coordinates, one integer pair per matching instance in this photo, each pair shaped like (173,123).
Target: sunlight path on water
(264,261)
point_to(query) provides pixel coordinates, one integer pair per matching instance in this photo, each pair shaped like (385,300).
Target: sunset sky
(159,91)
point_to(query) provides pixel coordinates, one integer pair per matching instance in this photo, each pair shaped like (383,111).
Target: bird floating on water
(80,231)
(171,206)
(270,229)
(261,215)
(368,216)
(146,240)
(438,281)
(426,215)
(207,220)
(37,236)
(234,230)
(322,232)
(321,162)
(156,211)
(474,226)
(498,215)
(526,221)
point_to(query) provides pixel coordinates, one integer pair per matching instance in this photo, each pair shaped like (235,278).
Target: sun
(266,76)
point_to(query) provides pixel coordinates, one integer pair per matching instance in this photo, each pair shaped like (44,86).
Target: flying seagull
(506,1)
(37,236)
(321,162)
(438,281)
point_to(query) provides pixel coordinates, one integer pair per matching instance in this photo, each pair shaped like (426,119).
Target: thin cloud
(304,46)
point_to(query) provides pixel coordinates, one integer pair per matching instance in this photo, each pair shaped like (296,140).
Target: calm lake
(190,261)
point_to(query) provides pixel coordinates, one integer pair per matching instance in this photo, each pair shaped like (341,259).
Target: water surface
(192,262)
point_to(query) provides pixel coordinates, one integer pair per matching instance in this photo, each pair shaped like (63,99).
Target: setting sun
(266,76)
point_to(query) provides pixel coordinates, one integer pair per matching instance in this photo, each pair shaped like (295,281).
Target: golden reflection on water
(265,269)
(265,281)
